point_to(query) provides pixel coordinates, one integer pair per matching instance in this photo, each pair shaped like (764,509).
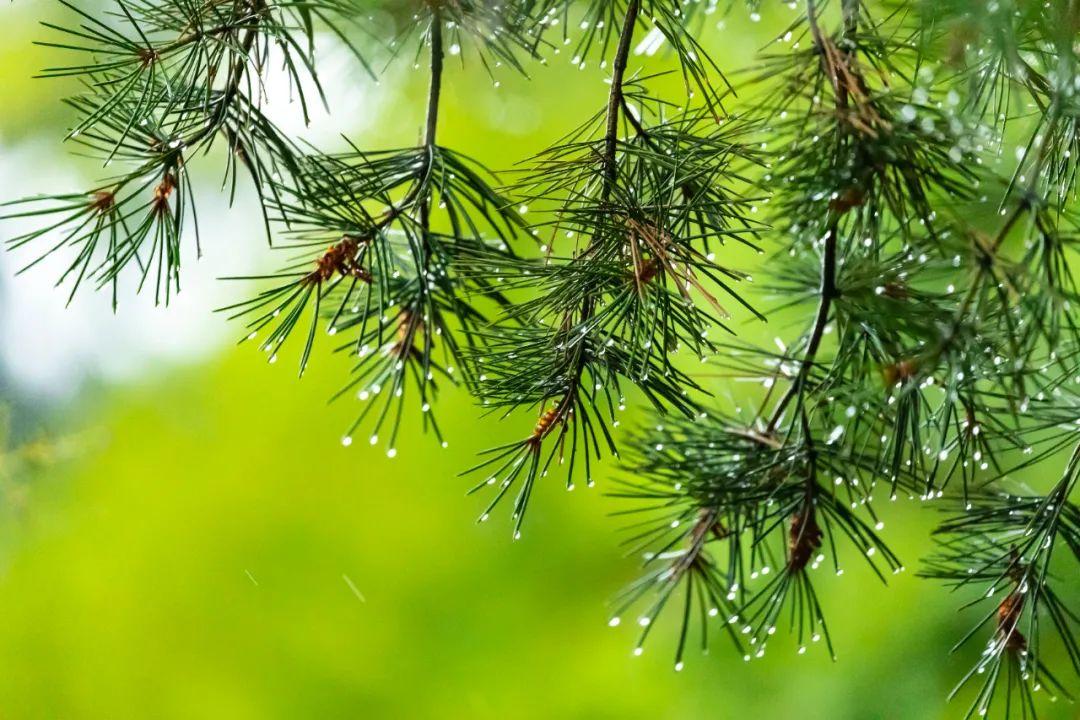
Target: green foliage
(939,355)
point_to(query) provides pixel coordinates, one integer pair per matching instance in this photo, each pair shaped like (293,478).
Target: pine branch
(790,502)
(407,291)
(155,106)
(936,351)
(646,207)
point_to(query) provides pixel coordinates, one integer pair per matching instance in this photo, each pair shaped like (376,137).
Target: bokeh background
(182,534)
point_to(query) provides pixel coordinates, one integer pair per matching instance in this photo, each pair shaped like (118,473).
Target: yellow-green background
(187,555)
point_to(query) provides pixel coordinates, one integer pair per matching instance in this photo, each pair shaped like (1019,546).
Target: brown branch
(828,289)
(564,408)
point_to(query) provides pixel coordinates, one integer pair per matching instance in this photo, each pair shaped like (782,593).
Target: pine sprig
(926,357)
(1002,548)
(637,200)
(164,81)
(410,294)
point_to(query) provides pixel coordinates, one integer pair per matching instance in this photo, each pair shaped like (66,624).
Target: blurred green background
(186,537)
